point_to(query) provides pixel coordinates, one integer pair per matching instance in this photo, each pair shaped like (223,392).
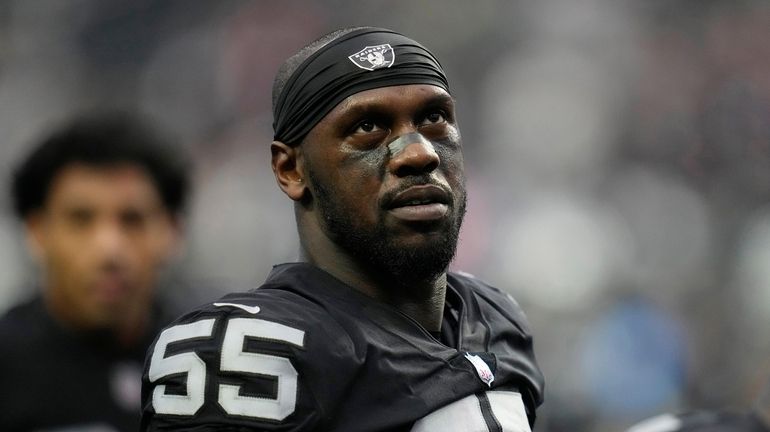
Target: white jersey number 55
(234,359)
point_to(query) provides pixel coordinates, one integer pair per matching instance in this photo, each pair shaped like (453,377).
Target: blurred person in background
(755,420)
(101,200)
(369,332)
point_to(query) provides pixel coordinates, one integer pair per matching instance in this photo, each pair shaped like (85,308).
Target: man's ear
(34,230)
(287,167)
(172,240)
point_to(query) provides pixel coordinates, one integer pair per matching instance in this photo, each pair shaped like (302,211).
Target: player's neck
(429,311)
(423,301)
(131,331)
(127,331)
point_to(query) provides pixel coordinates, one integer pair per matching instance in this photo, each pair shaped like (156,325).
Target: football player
(100,199)
(755,420)
(703,421)
(369,332)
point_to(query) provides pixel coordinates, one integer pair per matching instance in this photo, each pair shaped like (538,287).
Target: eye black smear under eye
(373,159)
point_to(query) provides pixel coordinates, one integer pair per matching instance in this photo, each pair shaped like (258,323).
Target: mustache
(420,180)
(111,266)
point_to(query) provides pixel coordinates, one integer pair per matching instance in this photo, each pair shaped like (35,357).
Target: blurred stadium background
(618,155)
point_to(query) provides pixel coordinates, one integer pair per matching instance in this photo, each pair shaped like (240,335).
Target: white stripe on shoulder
(661,423)
(466,274)
(250,309)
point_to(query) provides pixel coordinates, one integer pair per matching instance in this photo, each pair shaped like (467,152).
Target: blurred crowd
(618,155)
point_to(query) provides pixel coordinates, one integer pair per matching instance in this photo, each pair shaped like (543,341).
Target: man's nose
(412,154)
(109,239)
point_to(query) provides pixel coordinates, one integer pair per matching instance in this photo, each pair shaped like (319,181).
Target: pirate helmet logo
(374,57)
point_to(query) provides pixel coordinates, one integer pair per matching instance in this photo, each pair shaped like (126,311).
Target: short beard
(374,248)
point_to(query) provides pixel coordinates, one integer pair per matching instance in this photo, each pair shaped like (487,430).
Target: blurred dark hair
(102,139)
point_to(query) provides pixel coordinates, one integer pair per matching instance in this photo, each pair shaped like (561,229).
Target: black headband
(361,60)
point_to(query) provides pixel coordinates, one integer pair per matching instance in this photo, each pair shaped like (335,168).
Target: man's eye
(434,118)
(80,217)
(133,219)
(366,126)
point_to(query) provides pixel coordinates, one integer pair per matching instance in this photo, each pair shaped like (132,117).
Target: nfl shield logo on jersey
(485,373)
(374,57)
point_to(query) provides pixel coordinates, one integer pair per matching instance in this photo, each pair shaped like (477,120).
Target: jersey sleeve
(260,361)
(510,338)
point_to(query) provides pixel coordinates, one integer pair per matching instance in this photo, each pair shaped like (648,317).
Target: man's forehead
(97,182)
(124,171)
(417,94)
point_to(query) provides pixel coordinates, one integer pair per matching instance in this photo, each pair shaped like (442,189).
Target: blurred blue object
(633,360)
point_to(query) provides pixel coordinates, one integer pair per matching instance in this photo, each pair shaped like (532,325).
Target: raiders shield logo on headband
(374,57)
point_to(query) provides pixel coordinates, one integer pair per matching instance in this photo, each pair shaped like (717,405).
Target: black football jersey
(305,352)
(55,379)
(702,421)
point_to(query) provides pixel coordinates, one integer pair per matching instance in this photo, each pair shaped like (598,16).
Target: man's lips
(420,203)
(110,288)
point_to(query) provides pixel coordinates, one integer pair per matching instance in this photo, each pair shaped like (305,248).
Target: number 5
(234,359)
(187,363)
